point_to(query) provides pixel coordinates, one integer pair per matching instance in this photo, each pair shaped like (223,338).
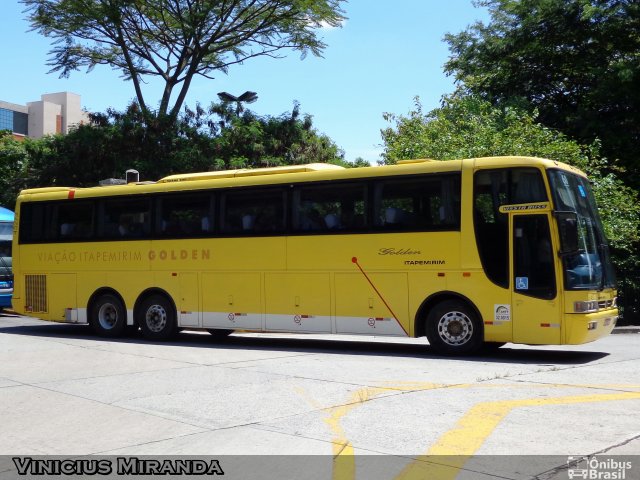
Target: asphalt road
(341,399)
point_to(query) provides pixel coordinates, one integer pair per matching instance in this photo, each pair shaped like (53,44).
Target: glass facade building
(16,122)
(54,113)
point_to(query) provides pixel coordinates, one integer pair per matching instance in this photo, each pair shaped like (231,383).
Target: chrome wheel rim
(455,328)
(156,318)
(107,316)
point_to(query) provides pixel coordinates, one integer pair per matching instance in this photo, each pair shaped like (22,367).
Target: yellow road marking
(454,448)
(344,461)
(471,431)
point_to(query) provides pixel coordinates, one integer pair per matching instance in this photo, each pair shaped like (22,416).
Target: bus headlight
(585,307)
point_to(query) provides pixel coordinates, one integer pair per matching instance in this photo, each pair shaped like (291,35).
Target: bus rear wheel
(157,318)
(108,317)
(453,328)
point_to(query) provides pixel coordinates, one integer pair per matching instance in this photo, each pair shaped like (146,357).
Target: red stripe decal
(355,260)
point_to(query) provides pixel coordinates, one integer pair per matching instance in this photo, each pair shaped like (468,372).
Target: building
(53,113)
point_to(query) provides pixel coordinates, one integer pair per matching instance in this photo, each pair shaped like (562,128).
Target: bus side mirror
(568,228)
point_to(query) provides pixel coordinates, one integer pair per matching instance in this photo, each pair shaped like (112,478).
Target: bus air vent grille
(36,293)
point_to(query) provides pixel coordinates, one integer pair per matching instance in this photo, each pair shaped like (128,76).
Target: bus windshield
(589,267)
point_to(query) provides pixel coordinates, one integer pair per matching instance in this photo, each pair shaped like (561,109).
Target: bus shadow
(553,356)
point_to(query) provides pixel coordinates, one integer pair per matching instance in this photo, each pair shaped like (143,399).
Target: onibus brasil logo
(598,468)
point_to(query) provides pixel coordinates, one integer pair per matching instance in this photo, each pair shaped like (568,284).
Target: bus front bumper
(585,328)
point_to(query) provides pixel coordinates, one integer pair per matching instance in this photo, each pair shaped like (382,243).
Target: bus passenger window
(74,220)
(185,215)
(430,202)
(309,218)
(322,208)
(253,212)
(127,227)
(125,218)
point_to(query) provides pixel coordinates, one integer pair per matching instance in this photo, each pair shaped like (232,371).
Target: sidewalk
(627,329)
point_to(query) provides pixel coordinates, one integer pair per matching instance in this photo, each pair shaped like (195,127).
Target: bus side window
(429,202)
(253,211)
(308,217)
(125,218)
(74,221)
(185,215)
(322,208)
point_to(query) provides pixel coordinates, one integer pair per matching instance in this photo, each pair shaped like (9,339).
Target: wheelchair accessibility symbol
(522,283)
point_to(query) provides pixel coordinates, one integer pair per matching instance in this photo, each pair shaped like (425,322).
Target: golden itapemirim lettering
(182,254)
(66,256)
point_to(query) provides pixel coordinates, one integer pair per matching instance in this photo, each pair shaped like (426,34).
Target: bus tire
(453,328)
(219,333)
(157,318)
(108,316)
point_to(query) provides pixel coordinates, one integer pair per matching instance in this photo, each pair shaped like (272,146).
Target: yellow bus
(467,252)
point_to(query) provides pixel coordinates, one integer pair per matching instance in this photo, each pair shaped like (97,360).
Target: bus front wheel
(108,316)
(157,318)
(453,328)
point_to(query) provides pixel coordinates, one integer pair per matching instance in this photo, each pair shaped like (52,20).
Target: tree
(576,62)
(14,158)
(247,140)
(176,40)
(199,140)
(467,127)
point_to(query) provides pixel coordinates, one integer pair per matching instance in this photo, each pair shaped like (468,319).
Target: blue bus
(6,272)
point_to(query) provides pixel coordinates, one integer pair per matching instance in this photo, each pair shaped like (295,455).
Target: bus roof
(285,174)
(250,172)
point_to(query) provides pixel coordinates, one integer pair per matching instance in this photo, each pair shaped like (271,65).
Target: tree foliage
(577,62)
(467,127)
(249,140)
(13,167)
(176,40)
(214,138)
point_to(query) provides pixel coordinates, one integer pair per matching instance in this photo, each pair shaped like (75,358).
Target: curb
(622,330)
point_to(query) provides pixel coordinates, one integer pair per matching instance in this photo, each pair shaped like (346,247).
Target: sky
(385,54)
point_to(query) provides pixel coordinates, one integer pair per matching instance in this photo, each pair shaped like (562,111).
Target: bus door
(535,301)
